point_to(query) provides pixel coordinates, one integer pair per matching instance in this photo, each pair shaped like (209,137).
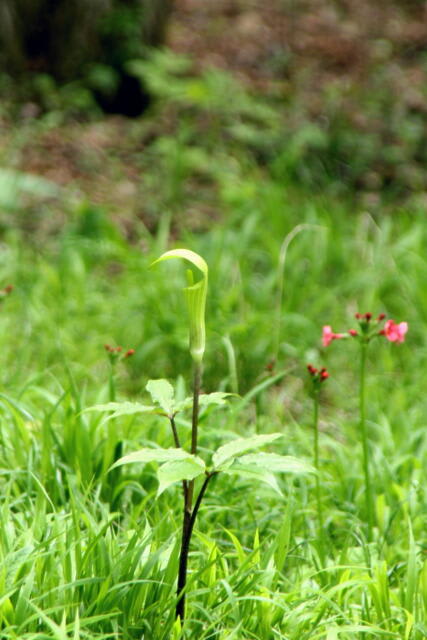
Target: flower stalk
(369,328)
(364,435)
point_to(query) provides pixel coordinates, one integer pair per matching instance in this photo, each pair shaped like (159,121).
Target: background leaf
(254,473)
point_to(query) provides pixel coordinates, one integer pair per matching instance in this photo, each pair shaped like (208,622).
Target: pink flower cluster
(392,331)
(395,332)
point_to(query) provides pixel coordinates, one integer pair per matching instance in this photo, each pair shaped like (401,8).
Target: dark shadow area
(129,99)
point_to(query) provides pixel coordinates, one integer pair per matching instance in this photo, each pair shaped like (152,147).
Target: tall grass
(72,568)
(81,562)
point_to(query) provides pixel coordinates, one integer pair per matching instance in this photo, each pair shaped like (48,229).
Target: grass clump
(73,566)
(87,556)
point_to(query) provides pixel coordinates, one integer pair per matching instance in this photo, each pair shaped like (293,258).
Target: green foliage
(65,553)
(72,564)
(228,452)
(177,470)
(71,57)
(122,409)
(154,455)
(362,137)
(161,392)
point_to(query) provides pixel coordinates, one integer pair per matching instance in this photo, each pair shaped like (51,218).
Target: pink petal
(327,335)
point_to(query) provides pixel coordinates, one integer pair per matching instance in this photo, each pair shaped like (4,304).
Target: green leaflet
(162,393)
(178,464)
(225,454)
(177,470)
(262,466)
(276,463)
(122,409)
(205,399)
(152,455)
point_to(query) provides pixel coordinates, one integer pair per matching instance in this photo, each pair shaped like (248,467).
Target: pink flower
(395,332)
(328,335)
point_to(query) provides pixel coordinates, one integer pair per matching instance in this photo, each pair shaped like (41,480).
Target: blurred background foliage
(330,95)
(80,45)
(255,117)
(285,141)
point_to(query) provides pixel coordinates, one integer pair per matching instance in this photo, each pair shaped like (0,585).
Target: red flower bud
(368,316)
(129,353)
(381,317)
(353,332)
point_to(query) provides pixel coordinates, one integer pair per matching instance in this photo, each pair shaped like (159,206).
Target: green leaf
(122,409)
(276,463)
(177,470)
(254,473)
(196,299)
(411,573)
(229,451)
(162,393)
(152,455)
(283,537)
(205,399)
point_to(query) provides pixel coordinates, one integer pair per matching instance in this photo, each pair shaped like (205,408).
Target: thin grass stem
(317,466)
(365,446)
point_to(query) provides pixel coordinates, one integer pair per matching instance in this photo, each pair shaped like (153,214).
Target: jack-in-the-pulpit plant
(369,328)
(180,465)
